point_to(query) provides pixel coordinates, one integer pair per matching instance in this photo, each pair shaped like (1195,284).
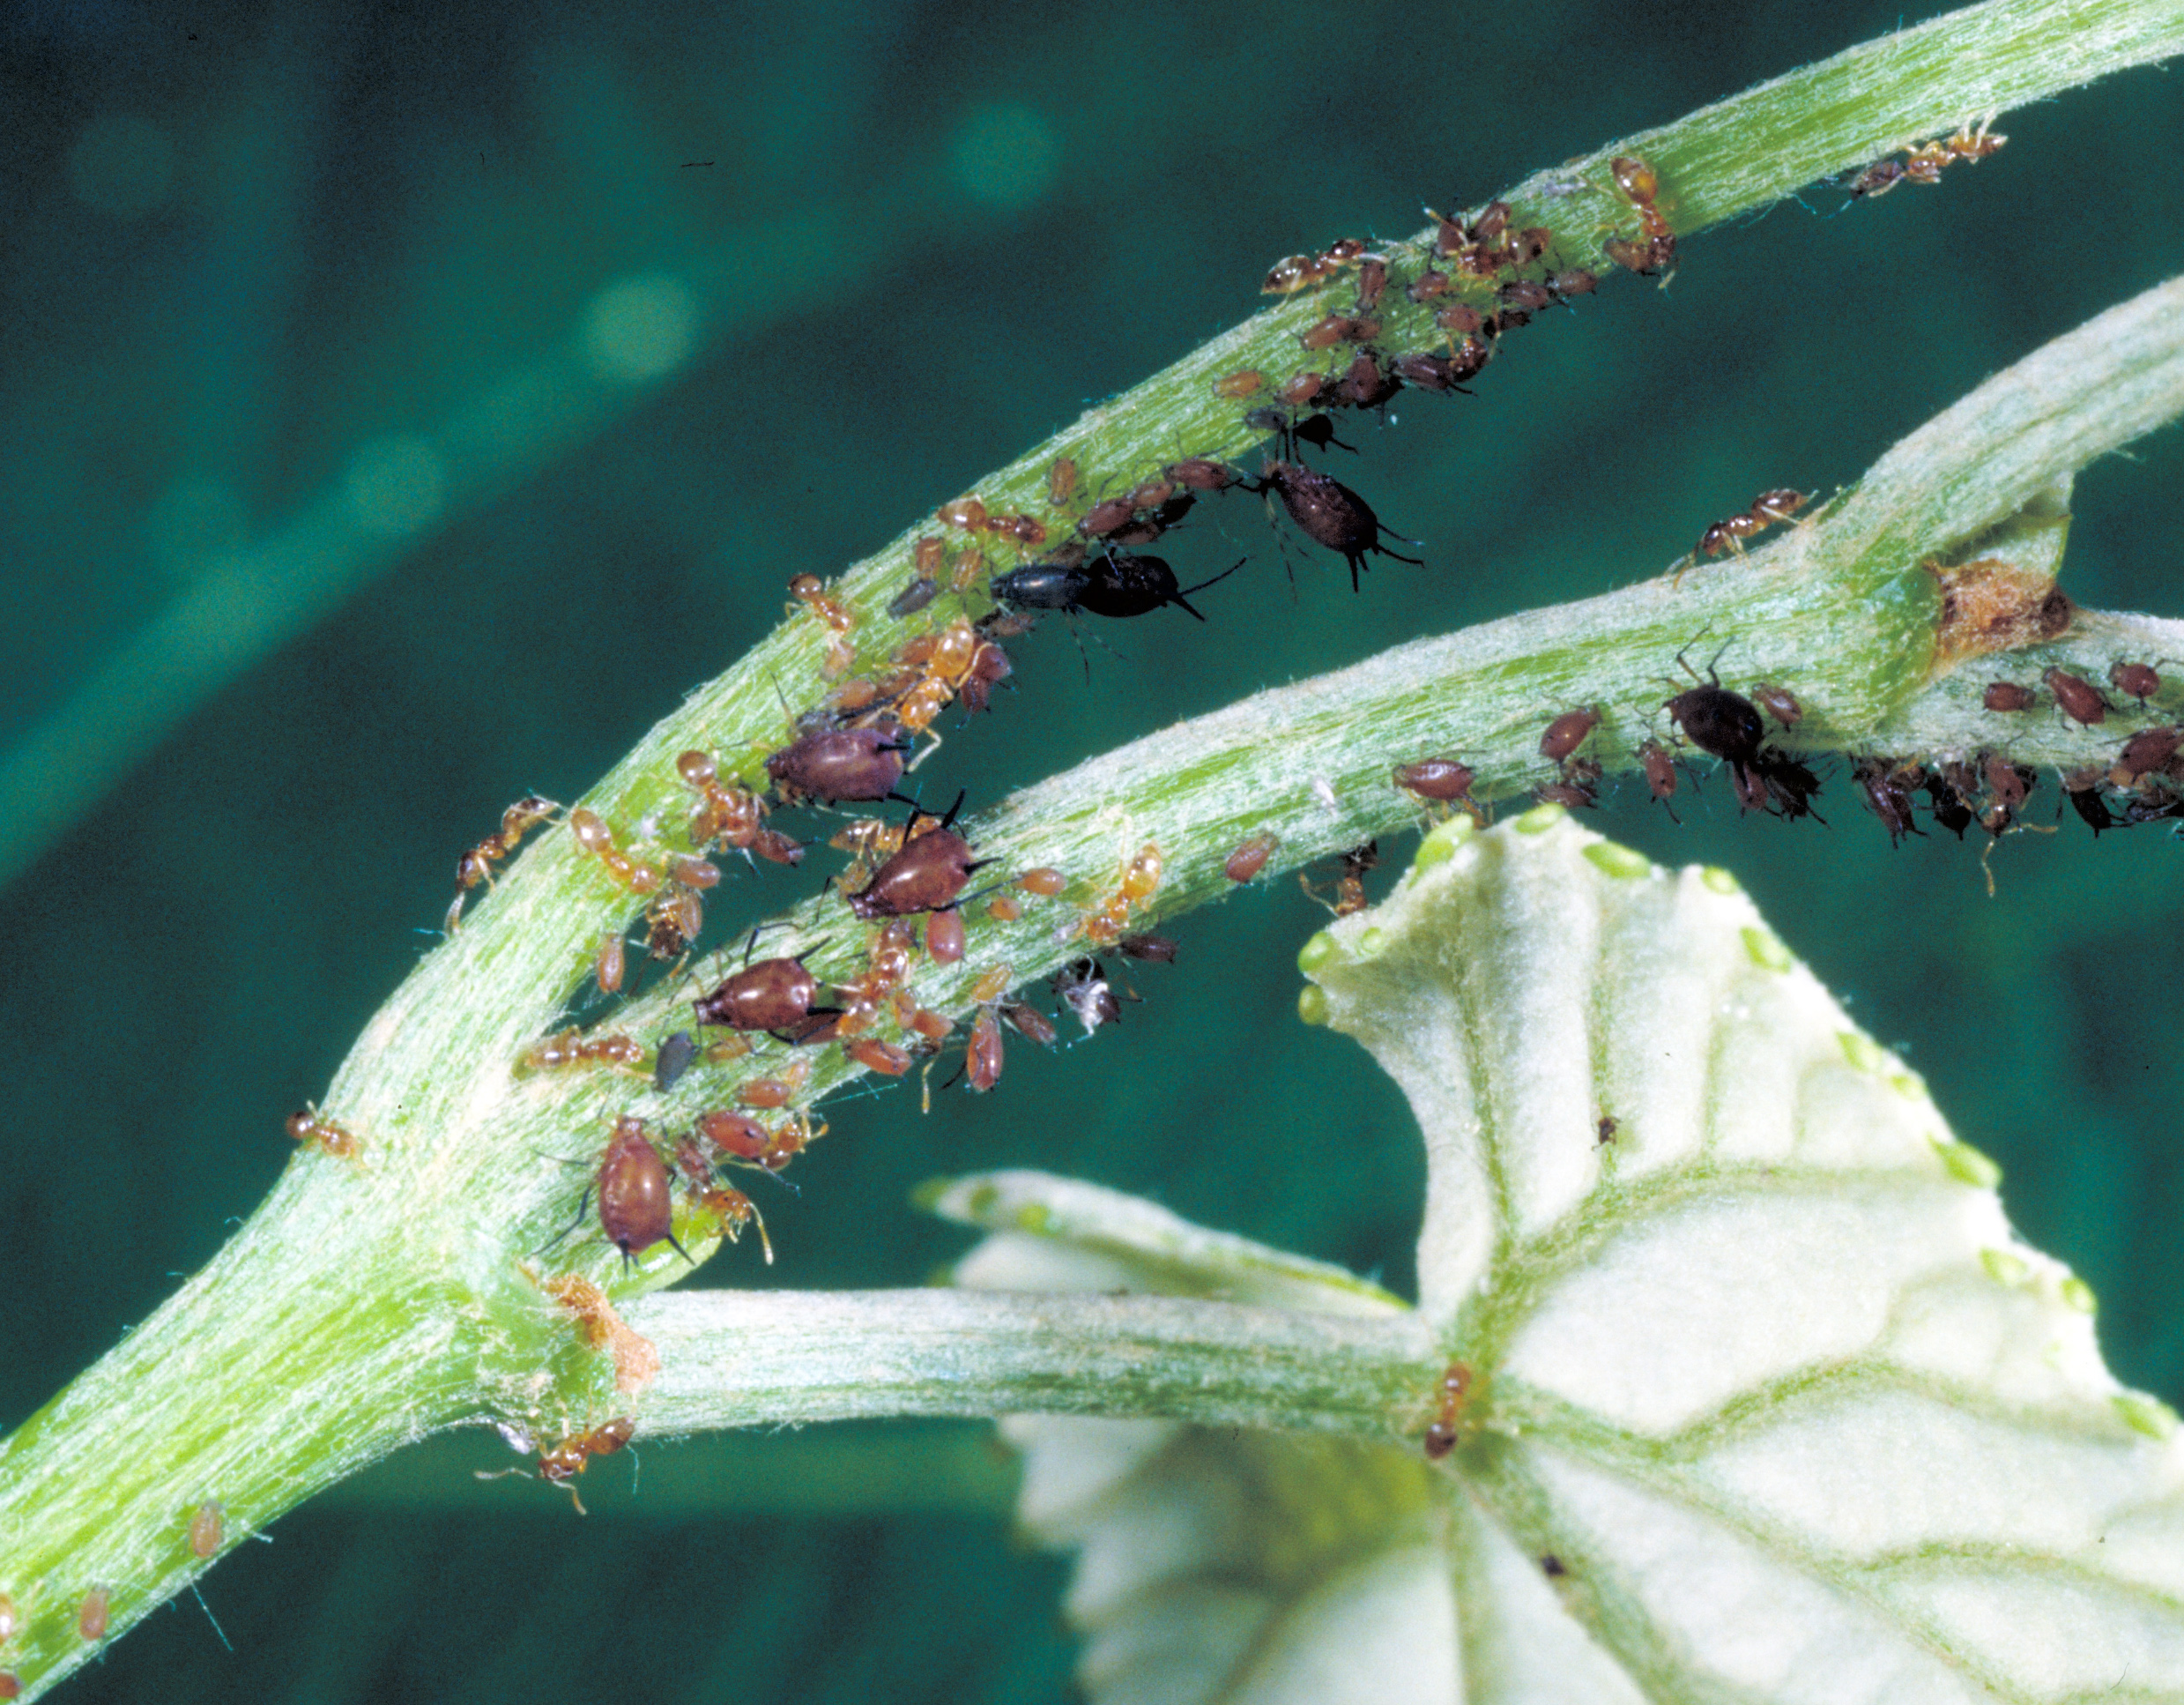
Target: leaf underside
(1765,1400)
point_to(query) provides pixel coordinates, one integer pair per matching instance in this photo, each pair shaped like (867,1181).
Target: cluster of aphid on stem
(914,878)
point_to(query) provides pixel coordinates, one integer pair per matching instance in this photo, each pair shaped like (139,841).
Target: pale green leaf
(1766,1401)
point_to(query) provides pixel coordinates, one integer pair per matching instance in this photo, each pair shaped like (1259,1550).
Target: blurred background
(403,407)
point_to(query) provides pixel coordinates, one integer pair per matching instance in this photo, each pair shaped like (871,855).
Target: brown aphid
(824,766)
(1427,285)
(982,1059)
(944,936)
(1153,949)
(1326,331)
(1525,293)
(1455,1391)
(1235,387)
(2079,698)
(1330,514)
(774,995)
(1004,908)
(2137,681)
(1363,385)
(1030,1022)
(875,1055)
(1297,390)
(2008,785)
(736,1134)
(989,667)
(772,845)
(634,1186)
(1202,474)
(1573,281)
(1632,254)
(1246,861)
(1947,789)
(309,1125)
(2007,696)
(1888,788)
(1372,278)
(964,513)
(1458,318)
(1779,702)
(91,1615)
(609,964)
(1567,732)
(1295,272)
(1045,881)
(1604,1133)
(1106,518)
(1446,781)
(930,871)
(208,1527)
(1661,773)
(1422,370)
(10,1685)
(2148,752)
(1061,482)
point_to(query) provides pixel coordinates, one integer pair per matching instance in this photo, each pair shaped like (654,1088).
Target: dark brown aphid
(1084,989)
(91,1615)
(476,866)
(982,1057)
(944,936)
(1364,386)
(633,1185)
(1604,1133)
(989,667)
(1372,278)
(2008,787)
(1718,721)
(2137,681)
(1567,732)
(1030,1022)
(1427,285)
(1575,281)
(774,995)
(1946,792)
(930,871)
(1459,318)
(2082,788)
(1526,295)
(1248,860)
(1330,514)
(1422,370)
(1441,1434)
(2080,699)
(1154,950)
(1887,789)
(2007,696)
(780,848)
(1444,781)
(1788,784)
(1573,795)
(208,1527)
(2148,751)
(1552,1567)
(829,765)
(1779,702)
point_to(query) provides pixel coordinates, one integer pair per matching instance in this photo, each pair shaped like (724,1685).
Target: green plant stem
(372,1300)
(740,1358)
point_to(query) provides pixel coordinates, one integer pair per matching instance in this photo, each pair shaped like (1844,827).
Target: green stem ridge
(371,1301)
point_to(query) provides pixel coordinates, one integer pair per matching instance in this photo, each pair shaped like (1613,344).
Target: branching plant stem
(372,1300)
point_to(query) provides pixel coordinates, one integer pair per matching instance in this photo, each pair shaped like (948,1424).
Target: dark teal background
(375,213)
